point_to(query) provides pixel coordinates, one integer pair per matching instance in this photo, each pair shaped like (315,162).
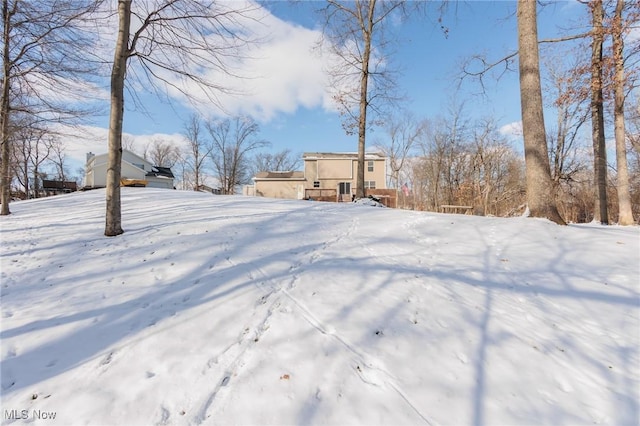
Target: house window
(370,166)
(370,184)
(345,188)
(316,184)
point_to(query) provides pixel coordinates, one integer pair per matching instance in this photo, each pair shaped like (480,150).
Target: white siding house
(133,167)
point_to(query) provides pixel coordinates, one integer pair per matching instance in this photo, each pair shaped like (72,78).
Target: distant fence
(449,208)
(318,194)
(388,197)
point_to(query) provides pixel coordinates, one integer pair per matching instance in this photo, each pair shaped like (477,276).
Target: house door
(344,191)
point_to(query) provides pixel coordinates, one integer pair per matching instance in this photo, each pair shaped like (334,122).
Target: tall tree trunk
(597,115)
(196,187)
(625,215)
(5,172)
(364,97)
(540,199)
(36,181)
(25,171)
(113,221)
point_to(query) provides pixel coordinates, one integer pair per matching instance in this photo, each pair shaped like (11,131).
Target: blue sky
(291,105)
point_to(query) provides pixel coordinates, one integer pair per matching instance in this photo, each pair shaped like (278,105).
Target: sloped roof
(158,171)
(103,158)
(288,175)
(342,155)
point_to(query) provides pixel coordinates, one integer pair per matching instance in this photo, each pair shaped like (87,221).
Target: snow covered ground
(237,310)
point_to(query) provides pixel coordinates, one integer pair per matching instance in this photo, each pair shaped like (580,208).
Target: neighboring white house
(134,169)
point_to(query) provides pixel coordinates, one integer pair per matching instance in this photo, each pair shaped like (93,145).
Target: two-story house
(134,169)
(326,176)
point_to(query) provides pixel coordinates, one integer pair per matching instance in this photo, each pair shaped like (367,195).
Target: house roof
(288,175)
(158,171)
(341,155)
(103,158)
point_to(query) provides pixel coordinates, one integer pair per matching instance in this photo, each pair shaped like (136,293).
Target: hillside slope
(237,310)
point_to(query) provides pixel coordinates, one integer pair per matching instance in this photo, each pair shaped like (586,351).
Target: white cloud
(62,90)
(281,73)
(285,71)
(81,140)
(512,130)
(286,74)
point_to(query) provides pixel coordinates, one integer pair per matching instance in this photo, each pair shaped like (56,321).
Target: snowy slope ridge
(237,310)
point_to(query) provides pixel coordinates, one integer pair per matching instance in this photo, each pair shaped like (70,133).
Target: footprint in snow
(164,416)
(286,309)
(107,359)
(564,384)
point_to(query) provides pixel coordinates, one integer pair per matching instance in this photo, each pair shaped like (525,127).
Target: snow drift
(237,310)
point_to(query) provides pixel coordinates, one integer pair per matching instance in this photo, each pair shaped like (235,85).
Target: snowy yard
(237,310)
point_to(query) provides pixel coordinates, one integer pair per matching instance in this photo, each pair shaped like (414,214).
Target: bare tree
(403,132)
(163,153)
(540,200)
(597,113)
(281,161)
(570,94)
(31,149)
(128,143)
(633,138)
(232,141)
(198,149)
(59,159)
(625,214)
(173,38)
(466,163)
(432,165)
(443,158)
(355,30)
(493,171)
(46,53)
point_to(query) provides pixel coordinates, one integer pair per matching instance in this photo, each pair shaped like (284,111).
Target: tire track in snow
(369,369)
(238,353)
(373,371)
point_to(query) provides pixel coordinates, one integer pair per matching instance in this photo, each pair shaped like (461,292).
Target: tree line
(461,166)
(455,159)
(173,44)
(221,154)
(36,155)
